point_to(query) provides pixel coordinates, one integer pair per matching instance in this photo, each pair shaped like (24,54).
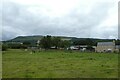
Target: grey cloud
(7,34)
(119,19)
(82,25)
(110,33)
(23,22)
(106,32)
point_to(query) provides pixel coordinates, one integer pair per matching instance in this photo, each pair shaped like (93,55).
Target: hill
(25,38)
(31,39)
(75,40)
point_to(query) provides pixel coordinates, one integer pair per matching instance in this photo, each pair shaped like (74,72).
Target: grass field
(59,64)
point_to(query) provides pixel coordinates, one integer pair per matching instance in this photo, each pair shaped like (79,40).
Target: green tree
(26,44)
(4,47)
(86,41)
(117,42)
(65,44)
(56,42)
(46,42)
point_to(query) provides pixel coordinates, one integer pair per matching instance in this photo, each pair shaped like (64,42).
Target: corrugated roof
(106,44)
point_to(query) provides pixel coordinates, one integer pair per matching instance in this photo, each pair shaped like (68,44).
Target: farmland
(58,64)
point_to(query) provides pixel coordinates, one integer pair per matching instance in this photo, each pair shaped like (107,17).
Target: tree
(87,41)
(117,42)
(46,42)
(4,47)
(65,44)
(56,42)
(26,44)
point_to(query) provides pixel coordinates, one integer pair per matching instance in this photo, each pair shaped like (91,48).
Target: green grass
(59,64)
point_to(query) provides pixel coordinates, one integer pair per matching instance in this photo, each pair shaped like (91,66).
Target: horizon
(73,18)
(57,36)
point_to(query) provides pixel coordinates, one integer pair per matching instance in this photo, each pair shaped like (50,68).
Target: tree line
(48,42)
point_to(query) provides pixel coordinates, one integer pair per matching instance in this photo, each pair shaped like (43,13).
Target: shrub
(4,47)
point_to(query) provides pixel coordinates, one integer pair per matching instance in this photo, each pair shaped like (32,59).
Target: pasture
(59,64)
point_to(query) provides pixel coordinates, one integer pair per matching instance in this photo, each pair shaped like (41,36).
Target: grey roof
(117,46)
(106,44)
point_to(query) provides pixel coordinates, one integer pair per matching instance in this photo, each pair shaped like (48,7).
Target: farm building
(74,47)
(105,47)
(83,47)
(78,47)
(117,48)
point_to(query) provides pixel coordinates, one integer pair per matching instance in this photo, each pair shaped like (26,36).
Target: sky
(73,18)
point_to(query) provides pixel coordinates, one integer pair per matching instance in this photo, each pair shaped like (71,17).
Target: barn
(105,47)
(117,48)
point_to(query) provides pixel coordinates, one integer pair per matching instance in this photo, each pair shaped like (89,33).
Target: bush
(4,47)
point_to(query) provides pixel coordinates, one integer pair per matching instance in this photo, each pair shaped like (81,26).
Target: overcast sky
(76,18)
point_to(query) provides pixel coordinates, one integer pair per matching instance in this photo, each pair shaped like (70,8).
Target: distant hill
(35,38)
(31,39)
(25,38)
